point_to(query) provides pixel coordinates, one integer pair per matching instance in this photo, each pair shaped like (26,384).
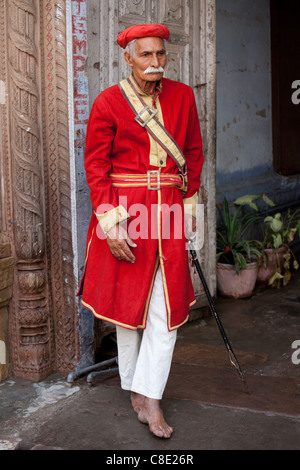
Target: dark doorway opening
(105,341)
(285,40)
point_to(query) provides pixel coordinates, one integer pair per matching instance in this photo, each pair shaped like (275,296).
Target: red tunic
(117,291)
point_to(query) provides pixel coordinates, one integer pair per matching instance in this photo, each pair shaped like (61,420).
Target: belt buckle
(139,118)
(157,174)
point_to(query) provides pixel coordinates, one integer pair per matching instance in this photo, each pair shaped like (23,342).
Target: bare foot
(152,414)
(137,401)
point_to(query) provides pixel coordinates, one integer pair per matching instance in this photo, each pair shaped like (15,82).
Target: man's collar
(141,92)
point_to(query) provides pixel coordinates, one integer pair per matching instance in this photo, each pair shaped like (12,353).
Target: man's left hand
(190,226)
(119,243)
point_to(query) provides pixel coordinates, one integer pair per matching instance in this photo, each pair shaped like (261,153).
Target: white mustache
(154,70)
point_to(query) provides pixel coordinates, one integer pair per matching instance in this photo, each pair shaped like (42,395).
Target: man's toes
(161,431)
(169,433)
(157,431)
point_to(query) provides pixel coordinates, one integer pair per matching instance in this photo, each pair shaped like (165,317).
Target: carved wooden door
(191,60)
(36,186)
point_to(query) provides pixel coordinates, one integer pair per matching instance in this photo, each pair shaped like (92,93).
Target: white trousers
(145,356)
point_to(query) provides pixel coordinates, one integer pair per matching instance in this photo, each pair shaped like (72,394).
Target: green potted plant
(236,256)
(278,232)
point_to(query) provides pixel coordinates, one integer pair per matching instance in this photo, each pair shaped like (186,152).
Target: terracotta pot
(234,285)
(265,272)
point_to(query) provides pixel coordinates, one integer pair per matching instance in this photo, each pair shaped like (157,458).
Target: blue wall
(244,104)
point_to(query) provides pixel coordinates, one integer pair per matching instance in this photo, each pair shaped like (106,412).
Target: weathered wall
(83,204)
(81,114)
(6,285)
(244,104)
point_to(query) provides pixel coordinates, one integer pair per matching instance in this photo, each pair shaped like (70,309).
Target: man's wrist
(112,218)
(190,205)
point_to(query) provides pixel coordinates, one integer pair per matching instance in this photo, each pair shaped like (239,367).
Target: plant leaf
(276,276)
(274,223)
(291,234)
(247,200)
(268,200)
(277,240)
(286,278)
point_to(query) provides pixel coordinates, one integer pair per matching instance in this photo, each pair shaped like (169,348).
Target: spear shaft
(232,356)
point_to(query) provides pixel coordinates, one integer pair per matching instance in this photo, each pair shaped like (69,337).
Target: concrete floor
(205,401)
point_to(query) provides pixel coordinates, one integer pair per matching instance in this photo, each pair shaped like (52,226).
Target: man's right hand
(119,242)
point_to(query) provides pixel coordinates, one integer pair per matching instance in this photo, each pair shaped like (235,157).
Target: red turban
(142,31)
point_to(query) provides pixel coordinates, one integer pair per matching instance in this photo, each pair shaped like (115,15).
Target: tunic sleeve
(100,136)
(194,157)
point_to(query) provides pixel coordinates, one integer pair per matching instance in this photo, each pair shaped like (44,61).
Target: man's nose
(155,61)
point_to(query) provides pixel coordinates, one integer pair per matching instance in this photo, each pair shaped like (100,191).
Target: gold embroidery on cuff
(112,218)
(190,205)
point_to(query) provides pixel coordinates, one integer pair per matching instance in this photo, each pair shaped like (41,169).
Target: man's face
(149,52)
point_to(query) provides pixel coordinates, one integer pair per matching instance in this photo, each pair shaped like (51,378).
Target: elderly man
(143,163)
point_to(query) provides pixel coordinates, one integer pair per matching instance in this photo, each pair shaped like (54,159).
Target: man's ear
(128,59)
